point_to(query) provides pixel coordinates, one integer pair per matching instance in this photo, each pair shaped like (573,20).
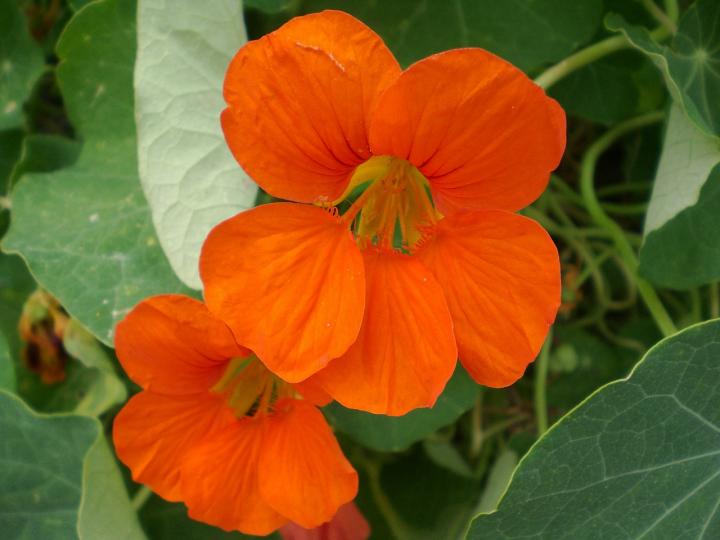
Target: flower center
(250,388)
(394,208)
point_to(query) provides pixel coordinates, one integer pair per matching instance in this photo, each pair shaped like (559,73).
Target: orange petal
(501,276)
(405,352)
(172,344)
(220,481)
(347,524)
(483,134)
(288,279)
(299,101)
(153,432)
(302,471)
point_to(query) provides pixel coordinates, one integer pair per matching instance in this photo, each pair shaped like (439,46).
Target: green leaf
(681,248)
(45,153)
(528,33)
(416,500)
(41,461)
(59,478)
(10,145)
(16,284)
(86,231)
(601,92)
(640,458)
(611,89)
(445,454)
(394,433)
(7,366)
(500,474)
(76,5)
(107,389)
(581,362)
(21,63)
(163,519)
(191,179)
(269,6)
(690,64)
(105,508)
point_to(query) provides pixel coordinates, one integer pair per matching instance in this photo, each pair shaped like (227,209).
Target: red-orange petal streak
(288,279)
(153,432)
(173,344)
(299,102)
(302,471)
(406,351)
(501,276)
(220,481)
(483,134)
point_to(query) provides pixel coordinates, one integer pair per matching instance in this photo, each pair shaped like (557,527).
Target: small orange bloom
(421,257)
(215,429)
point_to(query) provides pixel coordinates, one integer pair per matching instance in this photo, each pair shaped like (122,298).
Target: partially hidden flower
(215,429)
(402,250)
(42,330)
(347,524)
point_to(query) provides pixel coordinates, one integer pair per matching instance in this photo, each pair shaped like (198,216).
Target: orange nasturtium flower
(379,293)
(215,429)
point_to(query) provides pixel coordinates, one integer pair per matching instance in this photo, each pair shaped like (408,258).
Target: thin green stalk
(581,58)
(140,498)
(625,209)
(618,189)
(587,189)
(502,425)
(672,10)
(592,267)
(628,343)
(476,437)
(695,306)
(588,55)
(631,299)
(397,525)
(541,368)
(660,15)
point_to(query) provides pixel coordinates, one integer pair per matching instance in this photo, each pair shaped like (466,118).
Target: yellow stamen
(250,389)
(397,197)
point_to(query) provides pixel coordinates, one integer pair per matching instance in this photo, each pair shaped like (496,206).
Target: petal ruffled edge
(482,133)
(220,481)
(153,433)
(172,344)
(405,352)
(288,279)
(300,127)
(501,277)
(302,471)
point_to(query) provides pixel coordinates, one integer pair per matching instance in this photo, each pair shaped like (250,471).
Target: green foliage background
(634,209)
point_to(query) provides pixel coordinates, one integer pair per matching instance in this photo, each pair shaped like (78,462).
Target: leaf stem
(660,16)
(587,189)
(140,498)
(397,525)
(476,437)
(541,369)
(672,10)
(588,55)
